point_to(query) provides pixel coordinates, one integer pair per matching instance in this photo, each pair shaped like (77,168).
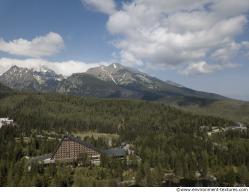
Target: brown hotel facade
(71,148)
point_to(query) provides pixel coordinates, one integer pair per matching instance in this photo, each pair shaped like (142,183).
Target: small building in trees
(45,159)
(6,121)
(72,148)
(117,152)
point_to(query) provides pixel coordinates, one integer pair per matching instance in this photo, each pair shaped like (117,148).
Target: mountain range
(26,79)
(113,81)
(117,81)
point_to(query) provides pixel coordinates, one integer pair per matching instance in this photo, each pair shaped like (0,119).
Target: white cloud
(226,53)
(65,67)
(104,6)
(199,68)
(41,46)
(205,68)
(230,7)
(179,33)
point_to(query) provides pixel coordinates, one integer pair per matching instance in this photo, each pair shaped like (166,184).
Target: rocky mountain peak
(14,67)
(16,72)
(43,69)
(121,75)
(30,79)
(116,66)
(46,74)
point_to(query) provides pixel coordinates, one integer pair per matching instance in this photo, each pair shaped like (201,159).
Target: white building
(6,121)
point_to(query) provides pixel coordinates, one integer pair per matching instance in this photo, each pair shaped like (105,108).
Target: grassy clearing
(95,135)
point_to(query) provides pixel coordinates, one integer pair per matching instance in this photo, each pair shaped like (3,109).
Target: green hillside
(4,91)
(168,141)
(52,111)
(230,109)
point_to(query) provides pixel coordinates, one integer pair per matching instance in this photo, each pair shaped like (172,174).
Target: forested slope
(230,109)
(4,91)
(167,139)
(54,111)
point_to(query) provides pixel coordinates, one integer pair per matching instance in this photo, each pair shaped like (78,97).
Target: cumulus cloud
(41,46)
(204,68)
(65,67)
(199,34)
(200,68)
(226,53)
(106,6)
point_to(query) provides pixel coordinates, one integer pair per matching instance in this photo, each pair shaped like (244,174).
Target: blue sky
(201,44)
(83,31)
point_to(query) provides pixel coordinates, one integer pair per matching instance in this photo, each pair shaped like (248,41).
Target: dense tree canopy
(168,141)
